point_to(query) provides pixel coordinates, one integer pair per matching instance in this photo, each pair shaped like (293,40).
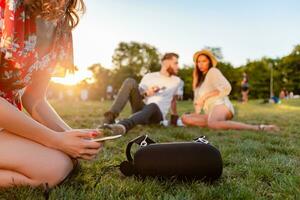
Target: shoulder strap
(143,141)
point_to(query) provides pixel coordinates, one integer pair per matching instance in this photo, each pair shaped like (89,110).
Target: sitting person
(150,100)
(211,90)
(38,148)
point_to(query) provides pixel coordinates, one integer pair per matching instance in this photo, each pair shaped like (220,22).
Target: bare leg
(24,162)
(220,116)
(10,178)
(194,119)
(245,96)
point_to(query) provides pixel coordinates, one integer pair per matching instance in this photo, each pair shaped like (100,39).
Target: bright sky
(243,29)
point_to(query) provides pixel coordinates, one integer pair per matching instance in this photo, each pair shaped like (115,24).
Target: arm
(221,85)
(143,86)
(208,95)
(219,82)
(35,102)
(198,105)
(174,106)
(145,89)
(26,127)
(179,87)
(73,143)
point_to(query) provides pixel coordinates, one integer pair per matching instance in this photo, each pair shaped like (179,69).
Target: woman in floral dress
(36,40)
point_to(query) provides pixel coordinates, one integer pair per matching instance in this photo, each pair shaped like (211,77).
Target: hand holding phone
(162,89)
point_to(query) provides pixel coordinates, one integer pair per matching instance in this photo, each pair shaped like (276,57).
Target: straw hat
(208,54)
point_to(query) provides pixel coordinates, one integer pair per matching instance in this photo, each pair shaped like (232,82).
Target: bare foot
(268,128)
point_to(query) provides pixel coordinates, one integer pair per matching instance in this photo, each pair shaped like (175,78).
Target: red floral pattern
(19,57)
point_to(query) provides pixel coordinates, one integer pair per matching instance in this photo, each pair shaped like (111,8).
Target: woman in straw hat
(40,147)
(211,90)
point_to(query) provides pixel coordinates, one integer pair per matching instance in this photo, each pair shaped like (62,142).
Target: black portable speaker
(197,160)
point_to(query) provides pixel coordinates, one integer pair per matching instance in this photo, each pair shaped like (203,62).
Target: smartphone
(106,138)
(156,89)
(160,90)
(163,88)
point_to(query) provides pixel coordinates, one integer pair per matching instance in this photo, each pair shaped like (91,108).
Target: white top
(164,97)
(109,89)
(214,80)
(180,88)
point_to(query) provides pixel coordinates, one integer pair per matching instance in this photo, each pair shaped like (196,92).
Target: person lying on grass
(40,148)
(150,100)
(211,90)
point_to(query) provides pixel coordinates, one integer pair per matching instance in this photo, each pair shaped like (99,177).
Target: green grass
(257,165)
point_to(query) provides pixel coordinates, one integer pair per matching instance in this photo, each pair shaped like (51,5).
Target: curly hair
(67,10)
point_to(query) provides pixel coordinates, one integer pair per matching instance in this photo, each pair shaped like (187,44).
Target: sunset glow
(73,79)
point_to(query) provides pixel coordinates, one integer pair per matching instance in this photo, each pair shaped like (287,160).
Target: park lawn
(257,165)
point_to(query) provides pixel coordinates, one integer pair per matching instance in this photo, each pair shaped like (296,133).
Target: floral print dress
(20,58)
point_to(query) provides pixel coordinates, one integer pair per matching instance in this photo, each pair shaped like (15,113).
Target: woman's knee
(52,174)
(40,164)
(57,170)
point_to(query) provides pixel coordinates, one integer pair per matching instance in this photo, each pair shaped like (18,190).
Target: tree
(233,75)
(186,74)
(102,78)
(289,67)
(217,51)
(134,60)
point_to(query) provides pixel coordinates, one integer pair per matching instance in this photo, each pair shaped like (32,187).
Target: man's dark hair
(169,56)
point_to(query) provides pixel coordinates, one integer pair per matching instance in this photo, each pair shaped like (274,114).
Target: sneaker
(109,118)
(112,129)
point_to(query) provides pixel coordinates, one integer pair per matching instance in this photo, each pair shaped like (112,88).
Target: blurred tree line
(136,59)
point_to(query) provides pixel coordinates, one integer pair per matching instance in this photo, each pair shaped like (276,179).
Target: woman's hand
(199,104)
(198,109)
(78,144)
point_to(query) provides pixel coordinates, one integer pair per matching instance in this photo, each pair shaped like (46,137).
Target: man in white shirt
(150,100)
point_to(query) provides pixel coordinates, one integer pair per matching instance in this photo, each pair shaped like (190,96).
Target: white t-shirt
(164,97)
(180,88)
